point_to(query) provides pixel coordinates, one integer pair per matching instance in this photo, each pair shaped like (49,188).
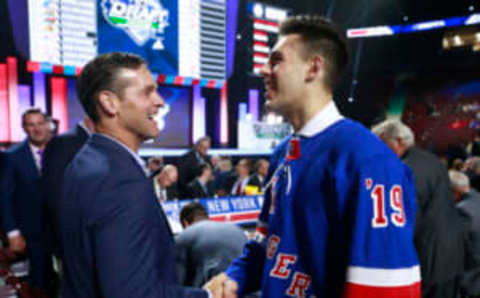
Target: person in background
(22,202)
(58,153)
(154,165)
(258,178)
(467,202)
(190,161)
(205,248)
(242,170)
(167,177)
(438,232)
(215,162)
(199,187)
(224,177)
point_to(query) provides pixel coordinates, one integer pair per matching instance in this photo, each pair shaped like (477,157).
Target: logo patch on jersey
(368,183)
(293,149)
(140,19)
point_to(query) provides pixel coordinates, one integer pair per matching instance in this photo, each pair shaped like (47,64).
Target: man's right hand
(222,287)
(17,244)
(230,288)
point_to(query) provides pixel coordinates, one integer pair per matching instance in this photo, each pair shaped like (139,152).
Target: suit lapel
(29,160)
(81,133)
(125,155)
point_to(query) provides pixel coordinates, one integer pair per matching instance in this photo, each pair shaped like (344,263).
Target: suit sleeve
(127,257)
(7,189)
(380,203)
(181,247)
(52,177)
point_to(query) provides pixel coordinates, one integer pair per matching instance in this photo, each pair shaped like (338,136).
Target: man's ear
(108,102)
(316,68)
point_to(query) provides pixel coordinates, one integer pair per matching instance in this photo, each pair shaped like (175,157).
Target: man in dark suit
(467,202)
(205,248)
(438,232)
(22,201)
(199,187)
(243,174)
(190,161)
(115,236)
(164,183)
(58,153)
(261,170)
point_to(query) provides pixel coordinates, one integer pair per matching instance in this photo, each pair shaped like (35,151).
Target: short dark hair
(248,163)
(101,74)
(202,139)
(192,212)
(201,168)
(31,111)
(320,35)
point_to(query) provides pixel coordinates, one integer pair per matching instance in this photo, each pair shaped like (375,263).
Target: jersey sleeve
(247,269)
(382,259)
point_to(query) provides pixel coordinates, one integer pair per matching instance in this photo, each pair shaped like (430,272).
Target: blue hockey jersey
(338,219)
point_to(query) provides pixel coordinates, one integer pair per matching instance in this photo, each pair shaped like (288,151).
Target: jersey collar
(323,119)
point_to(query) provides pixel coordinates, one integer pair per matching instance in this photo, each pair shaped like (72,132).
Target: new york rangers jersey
(338,220)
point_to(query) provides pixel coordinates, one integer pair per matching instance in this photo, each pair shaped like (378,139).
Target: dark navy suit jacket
(58,153)
(116,239)
(22,206)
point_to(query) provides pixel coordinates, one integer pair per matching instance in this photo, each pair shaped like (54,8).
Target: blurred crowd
(198,175)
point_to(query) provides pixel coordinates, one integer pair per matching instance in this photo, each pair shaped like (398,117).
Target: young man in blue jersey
(339,208)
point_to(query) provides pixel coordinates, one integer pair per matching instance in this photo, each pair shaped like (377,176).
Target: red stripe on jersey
(360,291)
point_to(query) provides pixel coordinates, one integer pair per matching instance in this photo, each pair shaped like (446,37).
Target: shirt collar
(33,147)
(84,127)
(135,155)
(323,119)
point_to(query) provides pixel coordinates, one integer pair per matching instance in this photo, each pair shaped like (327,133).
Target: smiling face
(37,128)
(285,75)
(138,102)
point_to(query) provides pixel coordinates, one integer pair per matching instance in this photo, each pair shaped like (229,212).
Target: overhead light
(446,44)
(350,99)
(471,8)
(477,36)
(457,40)
(476,47)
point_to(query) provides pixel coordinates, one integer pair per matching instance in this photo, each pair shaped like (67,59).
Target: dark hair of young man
(101,74)
(192,212)
(320,36)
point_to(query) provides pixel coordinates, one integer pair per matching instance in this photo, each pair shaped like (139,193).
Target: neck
(310,106)
(202,180)
(127,138)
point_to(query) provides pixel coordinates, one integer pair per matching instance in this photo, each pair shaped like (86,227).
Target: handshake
(221,286)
